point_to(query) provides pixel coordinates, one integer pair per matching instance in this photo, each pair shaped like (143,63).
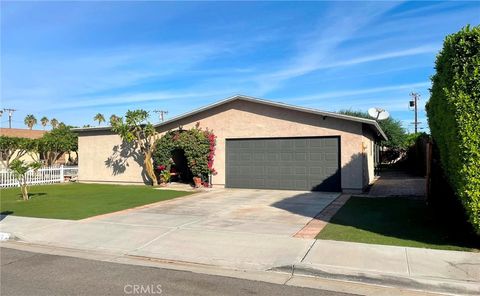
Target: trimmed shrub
(454,116)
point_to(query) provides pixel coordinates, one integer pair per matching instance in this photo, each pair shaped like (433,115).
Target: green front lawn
(78,201)
(396,221)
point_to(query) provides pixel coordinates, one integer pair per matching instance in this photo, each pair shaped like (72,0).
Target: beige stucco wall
(237,119)
(102,160)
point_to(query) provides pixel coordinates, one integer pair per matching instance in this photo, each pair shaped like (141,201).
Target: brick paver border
(321,220)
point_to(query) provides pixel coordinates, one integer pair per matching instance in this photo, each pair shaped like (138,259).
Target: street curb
(438,285)
(269,276)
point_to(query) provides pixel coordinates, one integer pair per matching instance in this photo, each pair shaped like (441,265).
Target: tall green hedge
(454,116)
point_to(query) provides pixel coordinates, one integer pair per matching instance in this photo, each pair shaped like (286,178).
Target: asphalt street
(26,273)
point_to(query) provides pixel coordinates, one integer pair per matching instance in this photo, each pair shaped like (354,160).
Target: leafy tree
(12,148)
(30,121)
(56,142)
(20,169)
(393,129)
(44,121)
(113,119)
(136,129)
(54,123)
(454,116)
(99,117)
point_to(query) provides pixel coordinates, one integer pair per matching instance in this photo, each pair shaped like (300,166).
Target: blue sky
(70,60)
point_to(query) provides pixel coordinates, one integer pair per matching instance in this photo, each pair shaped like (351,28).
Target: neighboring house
(33,134)
(260,144)
(23,133)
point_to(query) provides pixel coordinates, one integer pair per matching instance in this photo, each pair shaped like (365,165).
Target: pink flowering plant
(198,145)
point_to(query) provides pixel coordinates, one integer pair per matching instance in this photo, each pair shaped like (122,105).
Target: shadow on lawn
(31,195)
(387,220)
(35,194)
(406,219)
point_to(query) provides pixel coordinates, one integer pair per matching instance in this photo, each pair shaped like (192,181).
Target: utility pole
(162,113)
(413,103)
(10,113)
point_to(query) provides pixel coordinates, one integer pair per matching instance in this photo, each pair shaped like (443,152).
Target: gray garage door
(284,163)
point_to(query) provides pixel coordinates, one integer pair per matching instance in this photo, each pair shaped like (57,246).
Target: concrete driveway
(273,212)
(246,229)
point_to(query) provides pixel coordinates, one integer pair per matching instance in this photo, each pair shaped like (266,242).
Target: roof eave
(91,129)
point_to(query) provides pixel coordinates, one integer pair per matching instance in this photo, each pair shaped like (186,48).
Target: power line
(10,114)
(161,114)
(413,104)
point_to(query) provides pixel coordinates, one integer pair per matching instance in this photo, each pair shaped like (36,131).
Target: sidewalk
(423,269)
(433,270)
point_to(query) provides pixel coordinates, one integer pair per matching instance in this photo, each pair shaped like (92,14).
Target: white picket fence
(45,175)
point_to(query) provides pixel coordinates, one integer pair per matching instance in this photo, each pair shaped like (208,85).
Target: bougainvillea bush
(454,116)
(197,144)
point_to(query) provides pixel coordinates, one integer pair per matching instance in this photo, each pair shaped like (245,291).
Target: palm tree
(113,118)
(99,117)
(44,121)
(54,123)
(30,121)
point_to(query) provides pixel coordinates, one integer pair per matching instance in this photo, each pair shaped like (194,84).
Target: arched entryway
(179,169)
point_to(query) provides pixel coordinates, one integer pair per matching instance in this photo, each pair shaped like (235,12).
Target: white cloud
(349,93)
(383,56)
(136,98)
(316,49)
(52,79)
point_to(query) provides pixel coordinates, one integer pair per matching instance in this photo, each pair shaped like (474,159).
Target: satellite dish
(378,113)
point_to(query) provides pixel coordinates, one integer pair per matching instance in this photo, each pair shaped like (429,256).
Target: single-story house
(260,144)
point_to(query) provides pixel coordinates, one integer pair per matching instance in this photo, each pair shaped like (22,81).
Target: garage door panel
(302,171)
(300,156)
(259,183)
(300,144)
(260,156)
(259,145)
(317,156)
(331,156)
(331,142)
(271,145)
(292,163)
(316,142)
(271,156)
(316,171)
(300,184)
(272,183)
(287,156)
